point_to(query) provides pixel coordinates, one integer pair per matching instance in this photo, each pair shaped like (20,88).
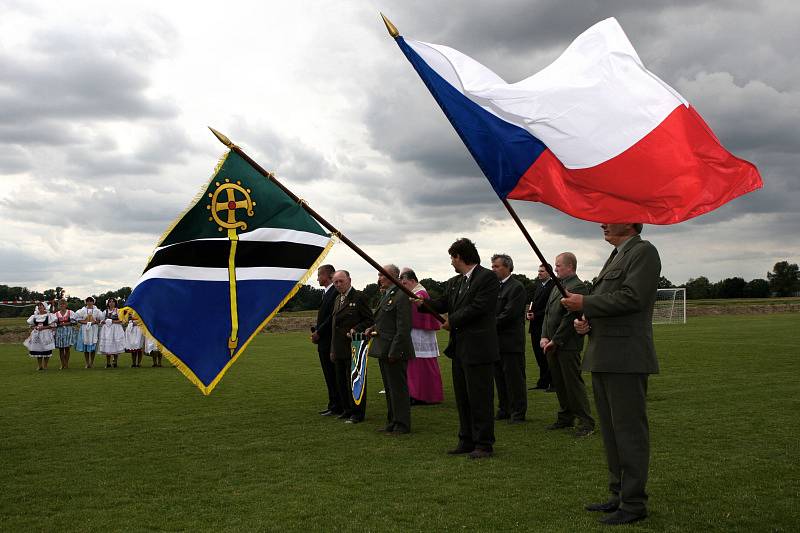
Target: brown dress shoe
(480,453)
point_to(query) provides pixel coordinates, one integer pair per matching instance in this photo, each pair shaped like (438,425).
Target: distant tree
(784,280)
(757,288)
(528,284)
(305,299)
(698,288)
(731,288)
(372,294)
(434,288)
(664,283)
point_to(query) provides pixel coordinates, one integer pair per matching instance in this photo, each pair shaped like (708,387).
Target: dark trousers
(622,412)
(473,386)
(512,394)
(329,373)
(565,370)
(541,360)
(398,403)
(342,367)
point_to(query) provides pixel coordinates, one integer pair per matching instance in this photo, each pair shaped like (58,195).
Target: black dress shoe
(501,416)
(516,420)
(621,516)
(460,450)
(326,412)
(354,420)
(343,415)
(388,428)
(605,507)
(550,389)
(480,453)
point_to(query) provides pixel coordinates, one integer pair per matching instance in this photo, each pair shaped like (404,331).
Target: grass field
(142,449)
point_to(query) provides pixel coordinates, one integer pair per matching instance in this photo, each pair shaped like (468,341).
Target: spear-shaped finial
(391,27)
(223,139)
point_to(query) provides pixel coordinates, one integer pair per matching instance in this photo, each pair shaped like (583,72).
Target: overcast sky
(104,108)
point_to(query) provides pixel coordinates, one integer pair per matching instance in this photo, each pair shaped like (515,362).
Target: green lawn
(142,449)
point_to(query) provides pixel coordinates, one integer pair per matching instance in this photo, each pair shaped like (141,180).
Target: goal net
(670,306)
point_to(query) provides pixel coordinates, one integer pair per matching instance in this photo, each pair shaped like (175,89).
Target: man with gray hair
(392,346)
(509,372)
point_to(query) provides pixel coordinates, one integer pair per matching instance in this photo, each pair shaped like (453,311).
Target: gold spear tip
(222,138)
(391,27)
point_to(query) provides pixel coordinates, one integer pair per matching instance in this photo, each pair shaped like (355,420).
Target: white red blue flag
(594,134)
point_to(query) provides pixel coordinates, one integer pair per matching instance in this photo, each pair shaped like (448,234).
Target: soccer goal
(670,306)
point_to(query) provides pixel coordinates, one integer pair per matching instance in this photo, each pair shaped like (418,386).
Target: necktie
(610,258)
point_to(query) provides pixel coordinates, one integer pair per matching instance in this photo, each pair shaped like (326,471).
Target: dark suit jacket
(558,323)
(510,316)
(473,328)
(324,326)
(393,324)
(541,295)
(353,313)
(620,312)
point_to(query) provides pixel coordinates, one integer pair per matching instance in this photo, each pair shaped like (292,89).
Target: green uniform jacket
(558,322)
(393,324)
(620,312)
(352,313)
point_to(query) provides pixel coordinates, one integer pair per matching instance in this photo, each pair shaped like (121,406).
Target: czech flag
(594,134)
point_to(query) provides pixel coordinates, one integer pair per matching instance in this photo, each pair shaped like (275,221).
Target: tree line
(782,281)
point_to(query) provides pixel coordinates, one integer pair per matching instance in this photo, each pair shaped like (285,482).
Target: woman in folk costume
(152,349)
(40,342)
(112,337)
(424,378)
(88,317)
(65,332)
(134,342)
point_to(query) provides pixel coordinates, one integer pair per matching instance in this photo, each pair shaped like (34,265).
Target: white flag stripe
(221,274)
(591,104)
(272,235)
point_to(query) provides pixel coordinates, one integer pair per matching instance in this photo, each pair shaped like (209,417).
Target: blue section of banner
(503,150)
(192,319)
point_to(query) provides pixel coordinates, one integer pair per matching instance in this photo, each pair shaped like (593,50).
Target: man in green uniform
(563,345)
(618,318)
(393,347)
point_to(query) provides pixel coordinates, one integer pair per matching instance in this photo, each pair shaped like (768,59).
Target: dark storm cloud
(286,157)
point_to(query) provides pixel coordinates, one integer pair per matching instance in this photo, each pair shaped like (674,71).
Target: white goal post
(670,306)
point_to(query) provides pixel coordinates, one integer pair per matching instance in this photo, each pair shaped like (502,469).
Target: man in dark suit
(350,314)
(321,336)
(509,371)
(544,286)
(470,299)
(563,346)
(618,318)
(393,347)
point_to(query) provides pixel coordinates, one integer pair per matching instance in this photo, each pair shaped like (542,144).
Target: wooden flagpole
(330,227)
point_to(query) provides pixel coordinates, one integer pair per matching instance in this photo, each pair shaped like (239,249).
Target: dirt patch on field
(755,309)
